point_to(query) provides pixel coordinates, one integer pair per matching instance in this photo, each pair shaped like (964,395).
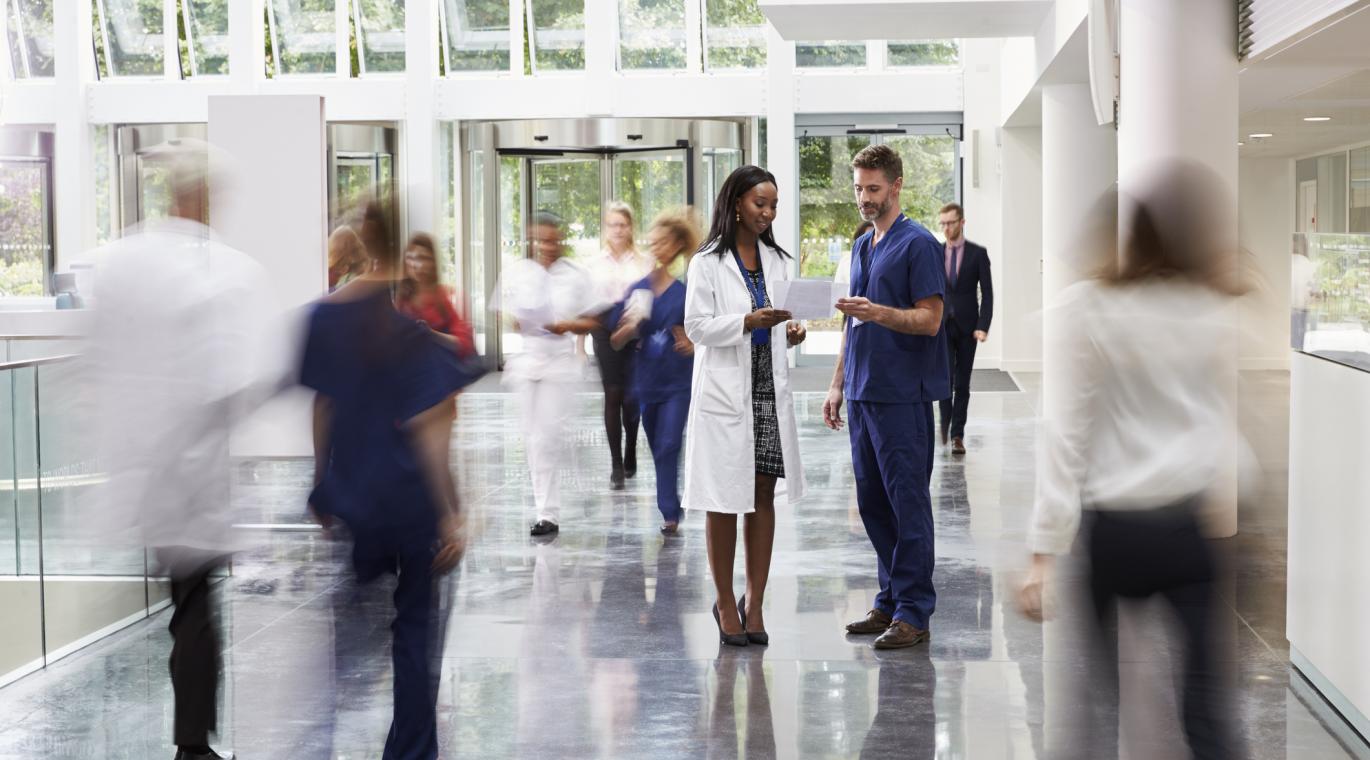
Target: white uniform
(545,373)
(613,275)
(179,352)
(720,460)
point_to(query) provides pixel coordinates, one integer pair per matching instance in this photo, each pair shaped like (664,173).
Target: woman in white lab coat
(741,428)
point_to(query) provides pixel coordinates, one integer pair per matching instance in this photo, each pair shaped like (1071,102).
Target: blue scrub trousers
(892,459)
(664,422)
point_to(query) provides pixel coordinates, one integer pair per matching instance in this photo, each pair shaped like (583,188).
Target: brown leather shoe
(900,635)
(874,622)
(958,447)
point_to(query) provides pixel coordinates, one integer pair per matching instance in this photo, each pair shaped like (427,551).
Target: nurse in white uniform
(741,429)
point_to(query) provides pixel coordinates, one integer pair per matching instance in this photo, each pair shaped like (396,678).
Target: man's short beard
(879,212)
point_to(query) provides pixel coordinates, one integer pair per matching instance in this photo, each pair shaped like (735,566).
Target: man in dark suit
(969,308)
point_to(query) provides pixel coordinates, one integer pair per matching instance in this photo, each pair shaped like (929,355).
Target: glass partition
(476,34)
(133,37)
(30,37)
(25,231)
(1330,298)
(557,41)
(651,34)
(380,35)
(734,35)
(207,36)
(650,183)
(303,36)
(830,54)
(935,53)
(1360,191)
(21,636)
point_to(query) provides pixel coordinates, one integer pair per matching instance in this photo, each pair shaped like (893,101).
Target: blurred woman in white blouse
(1138,431)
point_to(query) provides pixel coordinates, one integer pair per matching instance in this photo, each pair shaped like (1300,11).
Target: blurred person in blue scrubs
(892,367)
(1138,429)
(653,317)
(179,350)
(382,440)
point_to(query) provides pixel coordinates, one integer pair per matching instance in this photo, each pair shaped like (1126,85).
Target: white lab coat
(720,458)
(182,349)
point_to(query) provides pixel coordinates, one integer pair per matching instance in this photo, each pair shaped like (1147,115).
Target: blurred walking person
(969,308)
(178,355)
(616,269)
(1138,428)
(347,258)
(651,321)
(382,436)
(549,300)
(423,296)
(741,435)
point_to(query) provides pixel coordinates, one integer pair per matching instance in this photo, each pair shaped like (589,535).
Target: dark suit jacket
(961,303)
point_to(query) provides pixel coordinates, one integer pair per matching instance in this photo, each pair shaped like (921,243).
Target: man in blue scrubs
(892,367)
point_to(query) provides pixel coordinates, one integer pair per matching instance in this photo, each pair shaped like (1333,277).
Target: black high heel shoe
(762,638)
(731,639)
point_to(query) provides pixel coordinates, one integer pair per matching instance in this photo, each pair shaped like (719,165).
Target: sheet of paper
(807,299)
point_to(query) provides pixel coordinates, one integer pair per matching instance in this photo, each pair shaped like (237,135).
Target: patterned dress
(769,459)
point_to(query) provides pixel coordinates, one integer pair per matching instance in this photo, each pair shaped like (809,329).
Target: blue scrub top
(882,365)
(659,372)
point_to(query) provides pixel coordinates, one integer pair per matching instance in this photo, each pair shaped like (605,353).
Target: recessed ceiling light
(1260,135)
(1317,118)
(1240,143)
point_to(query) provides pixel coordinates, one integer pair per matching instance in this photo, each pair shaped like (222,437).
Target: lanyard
(760,336)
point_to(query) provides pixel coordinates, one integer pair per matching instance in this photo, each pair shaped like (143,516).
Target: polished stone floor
(600,644)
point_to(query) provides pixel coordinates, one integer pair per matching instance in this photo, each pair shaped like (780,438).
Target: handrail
(22,363)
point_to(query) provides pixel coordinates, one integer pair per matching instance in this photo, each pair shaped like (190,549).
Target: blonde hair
(344,245)
(682,225)
(619,207)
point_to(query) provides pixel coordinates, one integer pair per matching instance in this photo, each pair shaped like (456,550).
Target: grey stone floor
(601,645)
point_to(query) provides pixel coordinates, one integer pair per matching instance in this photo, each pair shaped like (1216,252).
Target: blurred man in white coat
(177,353)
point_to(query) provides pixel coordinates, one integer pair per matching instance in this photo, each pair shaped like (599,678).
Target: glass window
(1360,191)
(929,175)
(133,36)
(106,203)
(651,34)
(206,24)
(304,36)
(735,35)
(380,35)
(830,54)
(30,37)
(558,39)
(932,53)
(24,242)
(477,33)
(650,183)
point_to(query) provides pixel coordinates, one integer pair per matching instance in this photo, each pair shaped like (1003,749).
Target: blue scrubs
(891,380)
(661,382)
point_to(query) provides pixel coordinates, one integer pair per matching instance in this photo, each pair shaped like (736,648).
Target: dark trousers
(961,345)
(892,461)
(664,422)
(1137,554)
(195,652)
(417,634)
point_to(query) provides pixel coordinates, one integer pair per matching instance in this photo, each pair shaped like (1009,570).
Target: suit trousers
(961,347)
(195,653)
(665,425)
(892,461)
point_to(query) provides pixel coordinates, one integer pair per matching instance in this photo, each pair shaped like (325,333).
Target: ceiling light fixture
(1317,118)
(1260,135)
(1240,143)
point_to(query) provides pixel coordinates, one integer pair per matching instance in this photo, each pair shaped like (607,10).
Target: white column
(74,165)
(1079,164)
(246,42)
(782,156)
(420,131)
(1167,113)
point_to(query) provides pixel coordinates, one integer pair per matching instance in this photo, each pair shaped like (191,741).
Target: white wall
(1329,569)
(1018,285)
(1265,212)
(983,204)
(275,210)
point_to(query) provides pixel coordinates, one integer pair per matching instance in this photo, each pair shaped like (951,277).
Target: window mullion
(694,36)
(171,49)
(516,15)
(342,59)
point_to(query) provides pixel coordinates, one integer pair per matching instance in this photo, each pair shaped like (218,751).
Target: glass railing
(1330,298)
(63,582)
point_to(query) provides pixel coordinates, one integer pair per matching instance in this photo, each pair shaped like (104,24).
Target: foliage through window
(304,36)
(651,34)
(735,33)
(932,53)
(379,32)
(133,32)
(30,37)
(477,34)
(24,244)
(558,34)
(830,54)
(206,25)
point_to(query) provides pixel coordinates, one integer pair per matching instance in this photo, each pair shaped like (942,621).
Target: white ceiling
(905,19)
(1325,73)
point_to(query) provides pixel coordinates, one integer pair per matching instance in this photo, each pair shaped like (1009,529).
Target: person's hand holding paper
(809,299)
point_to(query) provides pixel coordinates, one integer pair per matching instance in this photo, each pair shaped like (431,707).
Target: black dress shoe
(759,638)
(185,754)
(616,480)
(731,639)
(544,528)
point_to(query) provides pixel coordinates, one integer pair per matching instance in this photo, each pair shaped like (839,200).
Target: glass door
(828,218)
(650,183)
(25,226)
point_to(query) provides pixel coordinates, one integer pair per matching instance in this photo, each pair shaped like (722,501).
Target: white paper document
(809,299)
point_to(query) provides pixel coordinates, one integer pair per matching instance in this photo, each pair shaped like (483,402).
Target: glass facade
(304,36)
(931,53)
(29,25)
(817,55)
(476,35)
(557,41)
(651,34)
(206,26)
(1330,298)
(133,37)
(25,211)
(734,35)
(380,35)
